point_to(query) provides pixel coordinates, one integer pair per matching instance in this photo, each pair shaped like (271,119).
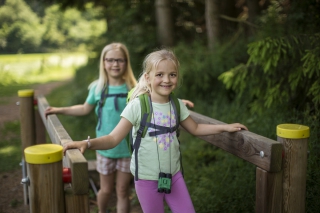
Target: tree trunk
(212,22)
(254,11)
(164,22)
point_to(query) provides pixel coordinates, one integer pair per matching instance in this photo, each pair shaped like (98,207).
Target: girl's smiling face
(115,68)
(162,81)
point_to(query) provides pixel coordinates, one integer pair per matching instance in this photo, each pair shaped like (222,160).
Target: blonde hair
(128,75)
(150,63)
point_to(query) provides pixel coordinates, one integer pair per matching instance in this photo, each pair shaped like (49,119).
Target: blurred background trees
(250,61)
(35,28)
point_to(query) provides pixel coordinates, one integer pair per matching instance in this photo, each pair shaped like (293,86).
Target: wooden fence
(280,165)
(33,123)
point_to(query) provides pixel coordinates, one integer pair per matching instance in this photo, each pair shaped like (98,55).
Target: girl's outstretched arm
(105,142)
(209,129)
(76,110)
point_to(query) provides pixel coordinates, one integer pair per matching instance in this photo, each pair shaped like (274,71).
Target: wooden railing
(263,152)
(274,171)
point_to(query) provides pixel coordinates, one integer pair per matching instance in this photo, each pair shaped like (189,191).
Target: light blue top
(164,147)
(110,118)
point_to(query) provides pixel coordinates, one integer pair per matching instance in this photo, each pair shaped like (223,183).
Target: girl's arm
(209,129)
(76,110)
(105,142)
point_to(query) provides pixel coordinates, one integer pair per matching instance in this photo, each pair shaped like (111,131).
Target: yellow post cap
(293,131)
(25,93)
(43,153)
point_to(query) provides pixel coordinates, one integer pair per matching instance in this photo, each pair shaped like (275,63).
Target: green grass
(39,68)
(10,147)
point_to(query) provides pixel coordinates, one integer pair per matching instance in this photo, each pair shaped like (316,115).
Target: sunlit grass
(10,146)
(8,150)
(39,68)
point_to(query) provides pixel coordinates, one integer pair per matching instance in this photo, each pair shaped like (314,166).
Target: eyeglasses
(112,60)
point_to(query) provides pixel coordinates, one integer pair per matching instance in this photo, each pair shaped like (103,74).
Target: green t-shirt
(110,118)
(164,147)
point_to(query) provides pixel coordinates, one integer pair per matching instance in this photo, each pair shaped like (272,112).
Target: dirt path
(9,111)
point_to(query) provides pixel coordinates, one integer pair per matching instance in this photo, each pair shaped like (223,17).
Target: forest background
(248,61)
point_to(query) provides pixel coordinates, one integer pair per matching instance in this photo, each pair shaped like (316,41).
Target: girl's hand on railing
(235,127)
(50,111)
(188,103)
(81,145)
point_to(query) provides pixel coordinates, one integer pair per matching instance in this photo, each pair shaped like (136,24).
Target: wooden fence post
(27,118)
(44,164)
(268,191)
(294,138)
(27,129)
(40,127)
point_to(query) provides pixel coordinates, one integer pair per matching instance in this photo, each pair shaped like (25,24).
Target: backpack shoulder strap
(146,112)
(176,107)
(146,108)
(101,103)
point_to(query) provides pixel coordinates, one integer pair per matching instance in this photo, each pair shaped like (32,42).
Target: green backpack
(146,114)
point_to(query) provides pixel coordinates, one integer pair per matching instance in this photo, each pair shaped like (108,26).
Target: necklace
(168,135)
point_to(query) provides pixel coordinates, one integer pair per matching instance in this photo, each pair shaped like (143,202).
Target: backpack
(104,95)
(146,114)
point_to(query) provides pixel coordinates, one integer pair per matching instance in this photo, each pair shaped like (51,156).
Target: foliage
(24,31)
(127,24)
(20,28)
(289,68)
(280,80)
(282,71)
(200,70)
(73,29)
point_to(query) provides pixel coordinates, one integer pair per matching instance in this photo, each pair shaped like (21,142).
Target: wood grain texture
(268,191)
(40,129)
(294,174)
(245,145)
(46,188)
(27,122)
(76,203)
